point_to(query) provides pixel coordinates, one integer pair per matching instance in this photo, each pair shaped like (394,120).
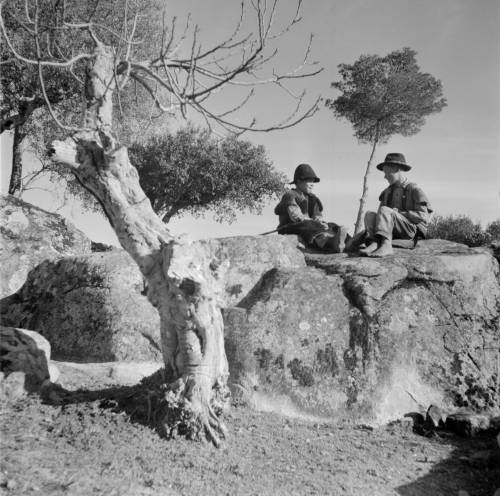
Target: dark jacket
(309,204)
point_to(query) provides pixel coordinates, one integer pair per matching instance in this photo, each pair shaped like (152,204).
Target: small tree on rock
(191,171)
(384,96)
(179,276)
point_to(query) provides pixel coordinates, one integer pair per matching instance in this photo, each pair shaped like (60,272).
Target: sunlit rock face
(94,307)
(370,337)
(90,308)
(29,235)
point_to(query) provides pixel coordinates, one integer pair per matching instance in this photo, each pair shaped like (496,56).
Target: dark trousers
(308,230)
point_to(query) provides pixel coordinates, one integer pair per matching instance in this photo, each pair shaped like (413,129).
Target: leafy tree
(180,280)
(384,96)
(191,171)
(22,96)
(27,105)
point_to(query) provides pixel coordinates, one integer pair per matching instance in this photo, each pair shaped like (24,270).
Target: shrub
(493,229)
(462,229)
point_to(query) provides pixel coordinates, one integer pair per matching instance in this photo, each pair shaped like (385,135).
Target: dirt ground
(85,447)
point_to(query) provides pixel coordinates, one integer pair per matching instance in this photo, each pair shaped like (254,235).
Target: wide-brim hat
(394,159)
(303,172)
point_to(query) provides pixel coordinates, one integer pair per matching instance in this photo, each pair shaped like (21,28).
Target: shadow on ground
(143,403)
(473,467)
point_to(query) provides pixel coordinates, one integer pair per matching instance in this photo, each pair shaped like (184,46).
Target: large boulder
(90,308)
(239,262)
(24,362)
(29,235)
(94,307)
(371,337)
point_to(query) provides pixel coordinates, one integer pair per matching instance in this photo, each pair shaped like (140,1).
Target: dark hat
(394,159)
(304,171)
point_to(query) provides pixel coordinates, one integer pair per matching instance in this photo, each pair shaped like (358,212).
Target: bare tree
(180,283)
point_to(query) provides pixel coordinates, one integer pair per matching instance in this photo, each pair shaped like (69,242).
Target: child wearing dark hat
(404,210)
(300,212)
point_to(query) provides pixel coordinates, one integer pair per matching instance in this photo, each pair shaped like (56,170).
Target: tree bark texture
(15,183)
(359,226)
(180,284)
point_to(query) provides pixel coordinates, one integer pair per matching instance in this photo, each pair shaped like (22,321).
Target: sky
(455,158)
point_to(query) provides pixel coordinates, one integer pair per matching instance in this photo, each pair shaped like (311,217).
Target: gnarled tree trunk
(180,284)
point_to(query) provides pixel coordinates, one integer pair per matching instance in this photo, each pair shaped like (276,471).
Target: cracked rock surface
(371,337)
(29,235)
(90,308)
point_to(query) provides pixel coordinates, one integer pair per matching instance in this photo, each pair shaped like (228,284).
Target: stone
(90,307)
(495,248)
(495,423)
(94,307)
(467,424)
(435,418)
(403,425)
(239,262)
(358,336)
(417,420)
(117,373)
(283,338)
(12,386)
(54,372)
(29,235)
(25,351)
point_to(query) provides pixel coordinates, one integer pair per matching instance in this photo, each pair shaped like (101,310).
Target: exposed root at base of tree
(188,408)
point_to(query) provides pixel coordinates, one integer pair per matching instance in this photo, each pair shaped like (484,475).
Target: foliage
(384,96)
(192,171)
(39,172)
(462,229)
(24,102)
(493,230)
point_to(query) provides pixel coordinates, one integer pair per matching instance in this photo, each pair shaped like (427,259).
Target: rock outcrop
(239,262)
(29,235)
(334,334)
(90,308)
(94,307)
(373,336)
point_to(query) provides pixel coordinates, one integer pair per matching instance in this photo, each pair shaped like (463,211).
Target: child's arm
(295,213)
